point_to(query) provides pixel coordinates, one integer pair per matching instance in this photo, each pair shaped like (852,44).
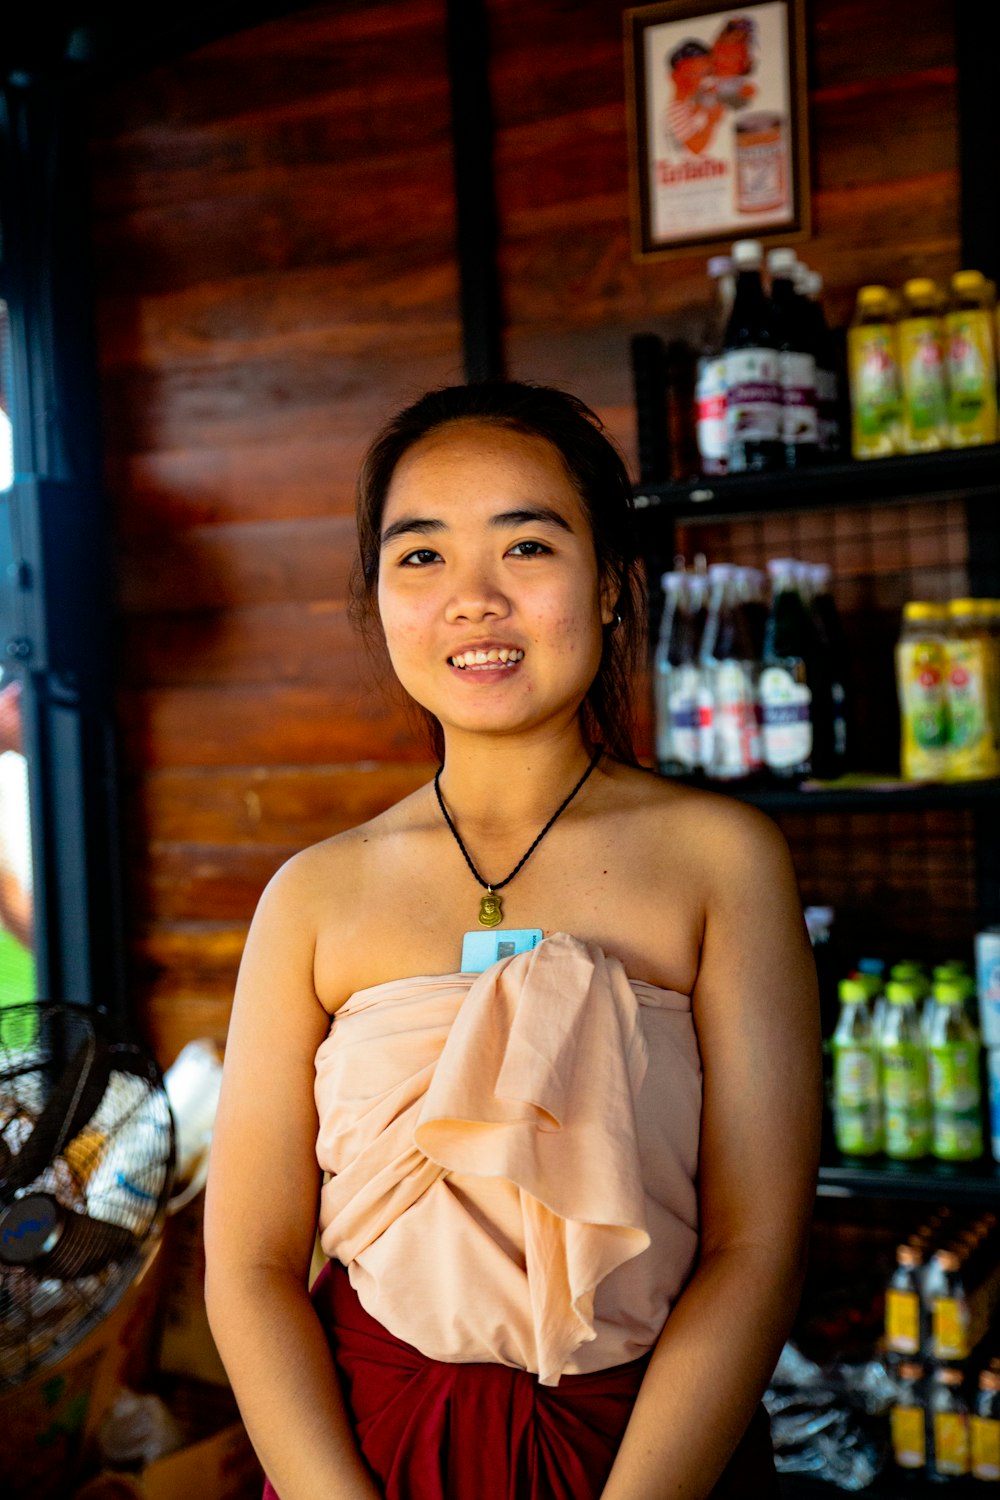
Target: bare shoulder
(706,832)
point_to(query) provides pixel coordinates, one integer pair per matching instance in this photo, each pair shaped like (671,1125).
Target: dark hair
(685,51)
(601,479)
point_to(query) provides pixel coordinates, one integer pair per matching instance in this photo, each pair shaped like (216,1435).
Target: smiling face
(488,591)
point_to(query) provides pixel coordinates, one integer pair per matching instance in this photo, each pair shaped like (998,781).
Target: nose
(477,595)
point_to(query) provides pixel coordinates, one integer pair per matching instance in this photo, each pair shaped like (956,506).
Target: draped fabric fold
(522,1080)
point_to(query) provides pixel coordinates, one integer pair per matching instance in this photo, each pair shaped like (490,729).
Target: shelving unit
(971,477)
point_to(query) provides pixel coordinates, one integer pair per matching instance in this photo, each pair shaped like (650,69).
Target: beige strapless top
(512,1158)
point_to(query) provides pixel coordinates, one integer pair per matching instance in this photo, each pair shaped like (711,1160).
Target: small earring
(615,622)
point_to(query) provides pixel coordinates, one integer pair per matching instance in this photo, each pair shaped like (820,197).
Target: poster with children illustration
(717,120)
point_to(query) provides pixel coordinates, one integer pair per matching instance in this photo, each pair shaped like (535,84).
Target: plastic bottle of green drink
(953,1054)
(857,1114)
(906,1108)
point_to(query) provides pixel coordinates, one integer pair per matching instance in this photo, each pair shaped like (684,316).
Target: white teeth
(494,657)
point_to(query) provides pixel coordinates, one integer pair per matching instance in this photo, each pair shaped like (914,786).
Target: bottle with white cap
(710,381)
(796,363)
(753,390)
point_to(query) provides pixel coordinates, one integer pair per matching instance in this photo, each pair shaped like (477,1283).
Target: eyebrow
(526,516)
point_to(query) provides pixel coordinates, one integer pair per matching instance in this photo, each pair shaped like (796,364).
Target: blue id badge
(480,949)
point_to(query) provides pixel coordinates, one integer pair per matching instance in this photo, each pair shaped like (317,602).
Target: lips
(487,658)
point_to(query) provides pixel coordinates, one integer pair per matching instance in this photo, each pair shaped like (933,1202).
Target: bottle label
(950,1323)
(785,706)
(800,412)
(985,1435)
(874,384)
(735,740)
(753,395)
(954,1070)
(924,378)
(902,1321)
(706,728)
(682,713)
(858,1132)
(951,1442)
(971,740)
(909,1441)
(904,1076)
(958,1137)
(921,672)
(710,400)
(855,1078)
(971,396)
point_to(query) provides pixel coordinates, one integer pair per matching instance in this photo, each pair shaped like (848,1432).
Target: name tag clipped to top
(480,949)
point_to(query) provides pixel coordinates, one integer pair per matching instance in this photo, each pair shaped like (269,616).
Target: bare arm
(756,1012)
(261,1212)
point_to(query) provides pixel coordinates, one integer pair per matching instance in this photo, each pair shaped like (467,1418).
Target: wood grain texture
(274,250)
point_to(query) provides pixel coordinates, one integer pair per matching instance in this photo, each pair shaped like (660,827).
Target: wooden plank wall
(273,231)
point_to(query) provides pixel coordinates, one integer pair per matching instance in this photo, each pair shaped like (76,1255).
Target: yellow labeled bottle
(908,1418)
(923,369)
(970,333)
(873,369)
(949,1424)
(984,1428)
(969,682)
(921,667)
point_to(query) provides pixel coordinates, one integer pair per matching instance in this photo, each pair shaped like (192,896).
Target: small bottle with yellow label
(971,357)
(923,367)
(984,1428)
(949,1308)
(969,681)
(949,1424)
(908,1418)
(904,1332)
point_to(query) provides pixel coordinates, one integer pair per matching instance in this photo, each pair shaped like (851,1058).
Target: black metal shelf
(956,471)
(874,796)
(926,1181)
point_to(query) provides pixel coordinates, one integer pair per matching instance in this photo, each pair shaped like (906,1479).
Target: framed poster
(718,145)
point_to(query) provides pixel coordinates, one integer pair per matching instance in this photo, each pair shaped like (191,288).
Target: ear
(610,592)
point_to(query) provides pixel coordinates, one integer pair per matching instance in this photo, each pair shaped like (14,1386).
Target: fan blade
(74,1098)
(86,1247)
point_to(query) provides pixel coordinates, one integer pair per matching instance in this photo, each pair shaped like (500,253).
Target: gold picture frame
(718,127)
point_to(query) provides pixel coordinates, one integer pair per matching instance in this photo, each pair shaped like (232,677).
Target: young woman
(570,1188)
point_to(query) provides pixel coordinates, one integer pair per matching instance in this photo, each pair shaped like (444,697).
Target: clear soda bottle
(903,1065)
(857,1115)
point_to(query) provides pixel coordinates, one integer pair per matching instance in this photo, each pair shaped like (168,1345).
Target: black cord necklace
(490,909)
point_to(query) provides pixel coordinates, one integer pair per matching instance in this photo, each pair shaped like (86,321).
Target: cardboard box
(187,1346)
(48,1423)
(221,1467)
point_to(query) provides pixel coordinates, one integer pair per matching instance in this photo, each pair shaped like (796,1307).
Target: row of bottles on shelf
(923,367)
(940,1303)
(948,680)
(766,391)
(908,1060)
(745,685)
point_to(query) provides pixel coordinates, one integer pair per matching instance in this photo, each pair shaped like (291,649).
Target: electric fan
(86,1162)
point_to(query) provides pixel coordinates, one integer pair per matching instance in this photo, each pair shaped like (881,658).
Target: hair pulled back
(598,473)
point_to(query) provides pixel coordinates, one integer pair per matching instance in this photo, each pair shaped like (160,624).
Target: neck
(510,788)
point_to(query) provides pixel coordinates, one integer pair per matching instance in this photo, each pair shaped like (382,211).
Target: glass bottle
(729,673)
(796,362)
(676,680)
(753,390)
(984,1428)
(834,646)
(785,688)
(904,1318)
(809,284)
(710,379)
(873,365)
(949,1424)
(950,1319)
(969,685)
(908,1418)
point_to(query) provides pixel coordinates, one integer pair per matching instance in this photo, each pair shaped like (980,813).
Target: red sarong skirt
(437,1431)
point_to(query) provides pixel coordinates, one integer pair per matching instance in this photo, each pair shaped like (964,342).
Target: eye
(420,558)
(530,549)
